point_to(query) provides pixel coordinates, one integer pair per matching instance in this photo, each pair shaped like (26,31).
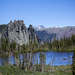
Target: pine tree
(73,64)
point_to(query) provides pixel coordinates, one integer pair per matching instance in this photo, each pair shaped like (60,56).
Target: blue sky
(38,12)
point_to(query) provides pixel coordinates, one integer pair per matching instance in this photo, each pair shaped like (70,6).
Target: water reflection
(52,58)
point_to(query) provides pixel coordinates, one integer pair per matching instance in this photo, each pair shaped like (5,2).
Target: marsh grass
(13,70)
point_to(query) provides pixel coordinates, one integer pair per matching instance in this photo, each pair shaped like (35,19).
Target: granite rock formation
(32,34)
(16,32)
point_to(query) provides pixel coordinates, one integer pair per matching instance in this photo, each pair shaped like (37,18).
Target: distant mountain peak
(58,32)
(40,27)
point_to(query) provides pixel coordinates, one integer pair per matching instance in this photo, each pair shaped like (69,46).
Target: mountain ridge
(59,32)
(44,34)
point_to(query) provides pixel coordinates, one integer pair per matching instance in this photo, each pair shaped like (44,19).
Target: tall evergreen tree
(73,64)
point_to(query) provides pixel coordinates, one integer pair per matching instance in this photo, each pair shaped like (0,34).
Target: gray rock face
(17,31)
(32,34)
(2,28)
(0,35)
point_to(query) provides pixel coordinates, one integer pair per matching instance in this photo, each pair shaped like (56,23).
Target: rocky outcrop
(2,28)
(32,34)
(16,32)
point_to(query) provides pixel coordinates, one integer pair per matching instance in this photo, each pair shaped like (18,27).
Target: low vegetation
(27,67)
(13,70)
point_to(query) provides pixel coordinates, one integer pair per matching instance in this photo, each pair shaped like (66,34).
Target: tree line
(63,44)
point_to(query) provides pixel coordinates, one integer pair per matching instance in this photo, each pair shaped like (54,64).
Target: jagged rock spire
(16,31)
(32,35)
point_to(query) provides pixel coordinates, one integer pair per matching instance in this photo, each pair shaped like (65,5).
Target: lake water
(52,58)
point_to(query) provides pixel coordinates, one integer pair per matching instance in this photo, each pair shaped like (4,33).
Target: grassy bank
(54,50)
(13,70)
